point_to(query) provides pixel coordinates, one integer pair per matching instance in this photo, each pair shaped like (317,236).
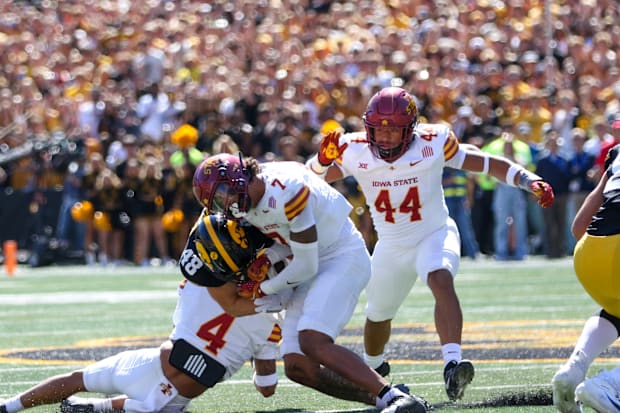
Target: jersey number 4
(214,330)
(409,205)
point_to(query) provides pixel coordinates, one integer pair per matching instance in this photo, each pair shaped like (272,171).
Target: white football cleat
(564,383)
(600,393)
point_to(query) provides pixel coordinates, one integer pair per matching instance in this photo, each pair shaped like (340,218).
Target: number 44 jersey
(232,341)
(405,197)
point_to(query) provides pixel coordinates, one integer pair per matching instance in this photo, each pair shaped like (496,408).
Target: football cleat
(68,406)
(402,387)
(3,408)
(564,383)
(600,393)
(407,404)
(383,369)
(457,376)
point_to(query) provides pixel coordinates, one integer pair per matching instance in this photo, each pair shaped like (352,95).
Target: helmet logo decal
(237,234)
(410,107)
(384,122)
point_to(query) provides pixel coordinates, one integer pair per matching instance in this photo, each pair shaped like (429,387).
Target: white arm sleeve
(302,267)
(277,252)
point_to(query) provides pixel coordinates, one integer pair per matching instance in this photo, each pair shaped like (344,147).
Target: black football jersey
(606,221)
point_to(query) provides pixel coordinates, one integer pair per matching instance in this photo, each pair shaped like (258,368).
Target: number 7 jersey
(405,197)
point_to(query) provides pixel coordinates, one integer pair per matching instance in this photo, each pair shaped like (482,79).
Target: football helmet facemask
(391,107)
(221,185)
(224,246)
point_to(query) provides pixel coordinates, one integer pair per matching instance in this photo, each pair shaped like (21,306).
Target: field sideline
(521,321)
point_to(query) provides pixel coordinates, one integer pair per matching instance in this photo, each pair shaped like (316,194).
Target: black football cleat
(383,369)
(67,406)
(457,376)
(407,404)
(3,408)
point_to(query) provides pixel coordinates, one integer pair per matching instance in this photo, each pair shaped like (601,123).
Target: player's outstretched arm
(510,173)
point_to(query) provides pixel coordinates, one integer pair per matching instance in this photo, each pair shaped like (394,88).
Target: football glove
(257,271)
(250,289)
(329,150)
(544,192)
(273,303)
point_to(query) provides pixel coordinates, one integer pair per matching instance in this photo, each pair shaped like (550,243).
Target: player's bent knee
(440,279)
(300,369)
(73,381)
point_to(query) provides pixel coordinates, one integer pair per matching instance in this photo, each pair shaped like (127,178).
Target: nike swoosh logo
(414,163)
(291,283)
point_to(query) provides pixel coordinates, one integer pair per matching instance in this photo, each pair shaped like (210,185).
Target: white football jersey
(290,190)
(232,341)
(405,197)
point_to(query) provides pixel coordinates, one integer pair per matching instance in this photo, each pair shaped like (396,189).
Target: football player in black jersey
(597,265)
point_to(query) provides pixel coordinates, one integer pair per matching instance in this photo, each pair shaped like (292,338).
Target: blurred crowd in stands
(111,81)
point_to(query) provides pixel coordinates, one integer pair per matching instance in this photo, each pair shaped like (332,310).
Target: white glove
(273,303)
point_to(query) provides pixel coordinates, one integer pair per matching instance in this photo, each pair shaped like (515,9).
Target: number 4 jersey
(405,197)
(232,341)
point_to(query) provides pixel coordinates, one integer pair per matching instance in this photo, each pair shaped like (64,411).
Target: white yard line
(91,297)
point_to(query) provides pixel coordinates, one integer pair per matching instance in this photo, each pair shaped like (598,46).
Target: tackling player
(206,346)
(597,264)
(329,269)
(399,163)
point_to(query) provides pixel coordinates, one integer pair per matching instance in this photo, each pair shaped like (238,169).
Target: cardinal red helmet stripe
(297,204)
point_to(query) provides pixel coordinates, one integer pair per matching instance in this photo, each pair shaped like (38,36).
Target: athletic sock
(451,352)
(374,361)
(13,405)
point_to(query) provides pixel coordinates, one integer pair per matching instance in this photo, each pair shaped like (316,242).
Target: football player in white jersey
(329,268)
(206,346)
(398,163)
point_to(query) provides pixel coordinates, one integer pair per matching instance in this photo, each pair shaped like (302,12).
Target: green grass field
(521,321)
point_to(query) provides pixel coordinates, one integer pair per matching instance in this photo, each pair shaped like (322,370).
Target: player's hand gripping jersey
(404,196)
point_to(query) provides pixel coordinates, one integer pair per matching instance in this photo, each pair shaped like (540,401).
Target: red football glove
(543,192)
(329,150)
(250,289)
(257,271)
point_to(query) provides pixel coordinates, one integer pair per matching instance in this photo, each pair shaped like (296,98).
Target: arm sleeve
(277,252)
(456,161)
(303,266)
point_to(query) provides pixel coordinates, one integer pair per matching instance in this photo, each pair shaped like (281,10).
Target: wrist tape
(264,381)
